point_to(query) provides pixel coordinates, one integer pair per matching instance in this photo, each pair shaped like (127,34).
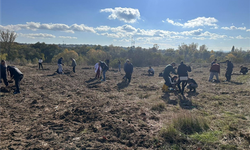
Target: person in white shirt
(98,70)
(40,62)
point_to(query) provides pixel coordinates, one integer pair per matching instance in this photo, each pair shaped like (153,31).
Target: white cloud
(213,36)
(114,35)
(200,21)
(248,30)
(241,38)
(233,28)
(128,15)
(199,38)
(36,35)
(192,32)
(56,27)
(102,28)
(67,37)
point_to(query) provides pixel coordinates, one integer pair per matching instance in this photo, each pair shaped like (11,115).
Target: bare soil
(76,111)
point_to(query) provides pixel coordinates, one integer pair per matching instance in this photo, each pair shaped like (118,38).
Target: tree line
(88,55)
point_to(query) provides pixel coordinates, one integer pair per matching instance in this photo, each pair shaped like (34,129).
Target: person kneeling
(151,71)
(243,70)
(192,85)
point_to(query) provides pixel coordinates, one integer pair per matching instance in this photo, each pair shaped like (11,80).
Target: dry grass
(74,111)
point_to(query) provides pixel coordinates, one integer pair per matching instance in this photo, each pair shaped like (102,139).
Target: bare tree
(7,39)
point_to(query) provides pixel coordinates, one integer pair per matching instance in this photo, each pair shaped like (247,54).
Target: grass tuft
(210,136)
(159,107)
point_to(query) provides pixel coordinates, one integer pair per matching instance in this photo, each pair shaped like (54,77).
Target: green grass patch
(243,78)
(207,137)
(159,107)
(220,97)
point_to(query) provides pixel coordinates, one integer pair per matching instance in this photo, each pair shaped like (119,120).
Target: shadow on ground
(122,85)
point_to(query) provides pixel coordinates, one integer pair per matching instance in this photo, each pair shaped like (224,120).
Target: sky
(219,24)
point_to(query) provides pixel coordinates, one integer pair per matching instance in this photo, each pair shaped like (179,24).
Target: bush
(34,61)
(23,62)
(189,124)
(16,61)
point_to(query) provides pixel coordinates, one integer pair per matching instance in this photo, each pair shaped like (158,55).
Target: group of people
(13,72)
(182,80)
(215,70)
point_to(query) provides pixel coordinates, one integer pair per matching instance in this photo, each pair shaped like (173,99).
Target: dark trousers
(192,87)
(182,86)
(17,82)
(97,75)
(74,69)
(40,65)
(167,81)
(128,76)
(5,80)
(228,74)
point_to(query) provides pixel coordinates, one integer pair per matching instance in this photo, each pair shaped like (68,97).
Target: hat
(127,60)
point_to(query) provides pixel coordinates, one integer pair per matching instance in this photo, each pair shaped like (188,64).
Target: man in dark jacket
(128,68)
(166,74)
(17,75)
(3,72)
(229,69)
(105,68)
(182,72)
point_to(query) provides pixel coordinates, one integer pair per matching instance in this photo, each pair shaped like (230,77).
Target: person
(105,68)
(3,72)
(40,63)
(119,65)
(60,64)
(192,85)
(214,71)
(229,70)
(17,75)
(243,70)
(215,61)
(166,74)
(182,72)
(98,70)
(73,64)
(151,71)
(128,68)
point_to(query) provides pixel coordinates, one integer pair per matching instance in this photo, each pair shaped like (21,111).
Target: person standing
(215,61)
(105,68)
(40,63)
(98,70)
(73,64)
(182,72)
(128,68)
(3,72)
(60,64)
(119,65)
(17,75)
(229,70)
(166,74)
(214,71)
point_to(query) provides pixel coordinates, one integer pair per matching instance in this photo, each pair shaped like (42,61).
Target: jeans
(104,76)
(228,74)
(119,67)
(40,65)
(17,82)
(182,88)
(212,74)
(60,69)
(128,76)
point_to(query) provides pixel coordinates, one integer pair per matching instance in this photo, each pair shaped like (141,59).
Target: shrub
(159,107)
(189,124)
(34,61)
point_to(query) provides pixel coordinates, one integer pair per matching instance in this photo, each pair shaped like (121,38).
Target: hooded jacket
(183,70)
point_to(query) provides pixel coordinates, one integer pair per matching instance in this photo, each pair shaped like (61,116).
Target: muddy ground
(76,111)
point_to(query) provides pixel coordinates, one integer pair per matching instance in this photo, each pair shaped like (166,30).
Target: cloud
(198,22)
(128,15)
(199,38)
(213,36)
(67,37)
(36,35)
(233,28)
(56,27)
(102,28)
(248,30)
(192,32)
(240,37)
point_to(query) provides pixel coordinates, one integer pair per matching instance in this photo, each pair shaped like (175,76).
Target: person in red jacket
(214,71)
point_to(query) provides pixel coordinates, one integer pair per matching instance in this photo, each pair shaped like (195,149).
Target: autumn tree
(7,39)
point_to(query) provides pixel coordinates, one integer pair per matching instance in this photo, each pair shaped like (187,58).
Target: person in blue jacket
(128,68)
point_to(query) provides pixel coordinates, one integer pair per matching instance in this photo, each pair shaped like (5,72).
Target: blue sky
(219,24)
